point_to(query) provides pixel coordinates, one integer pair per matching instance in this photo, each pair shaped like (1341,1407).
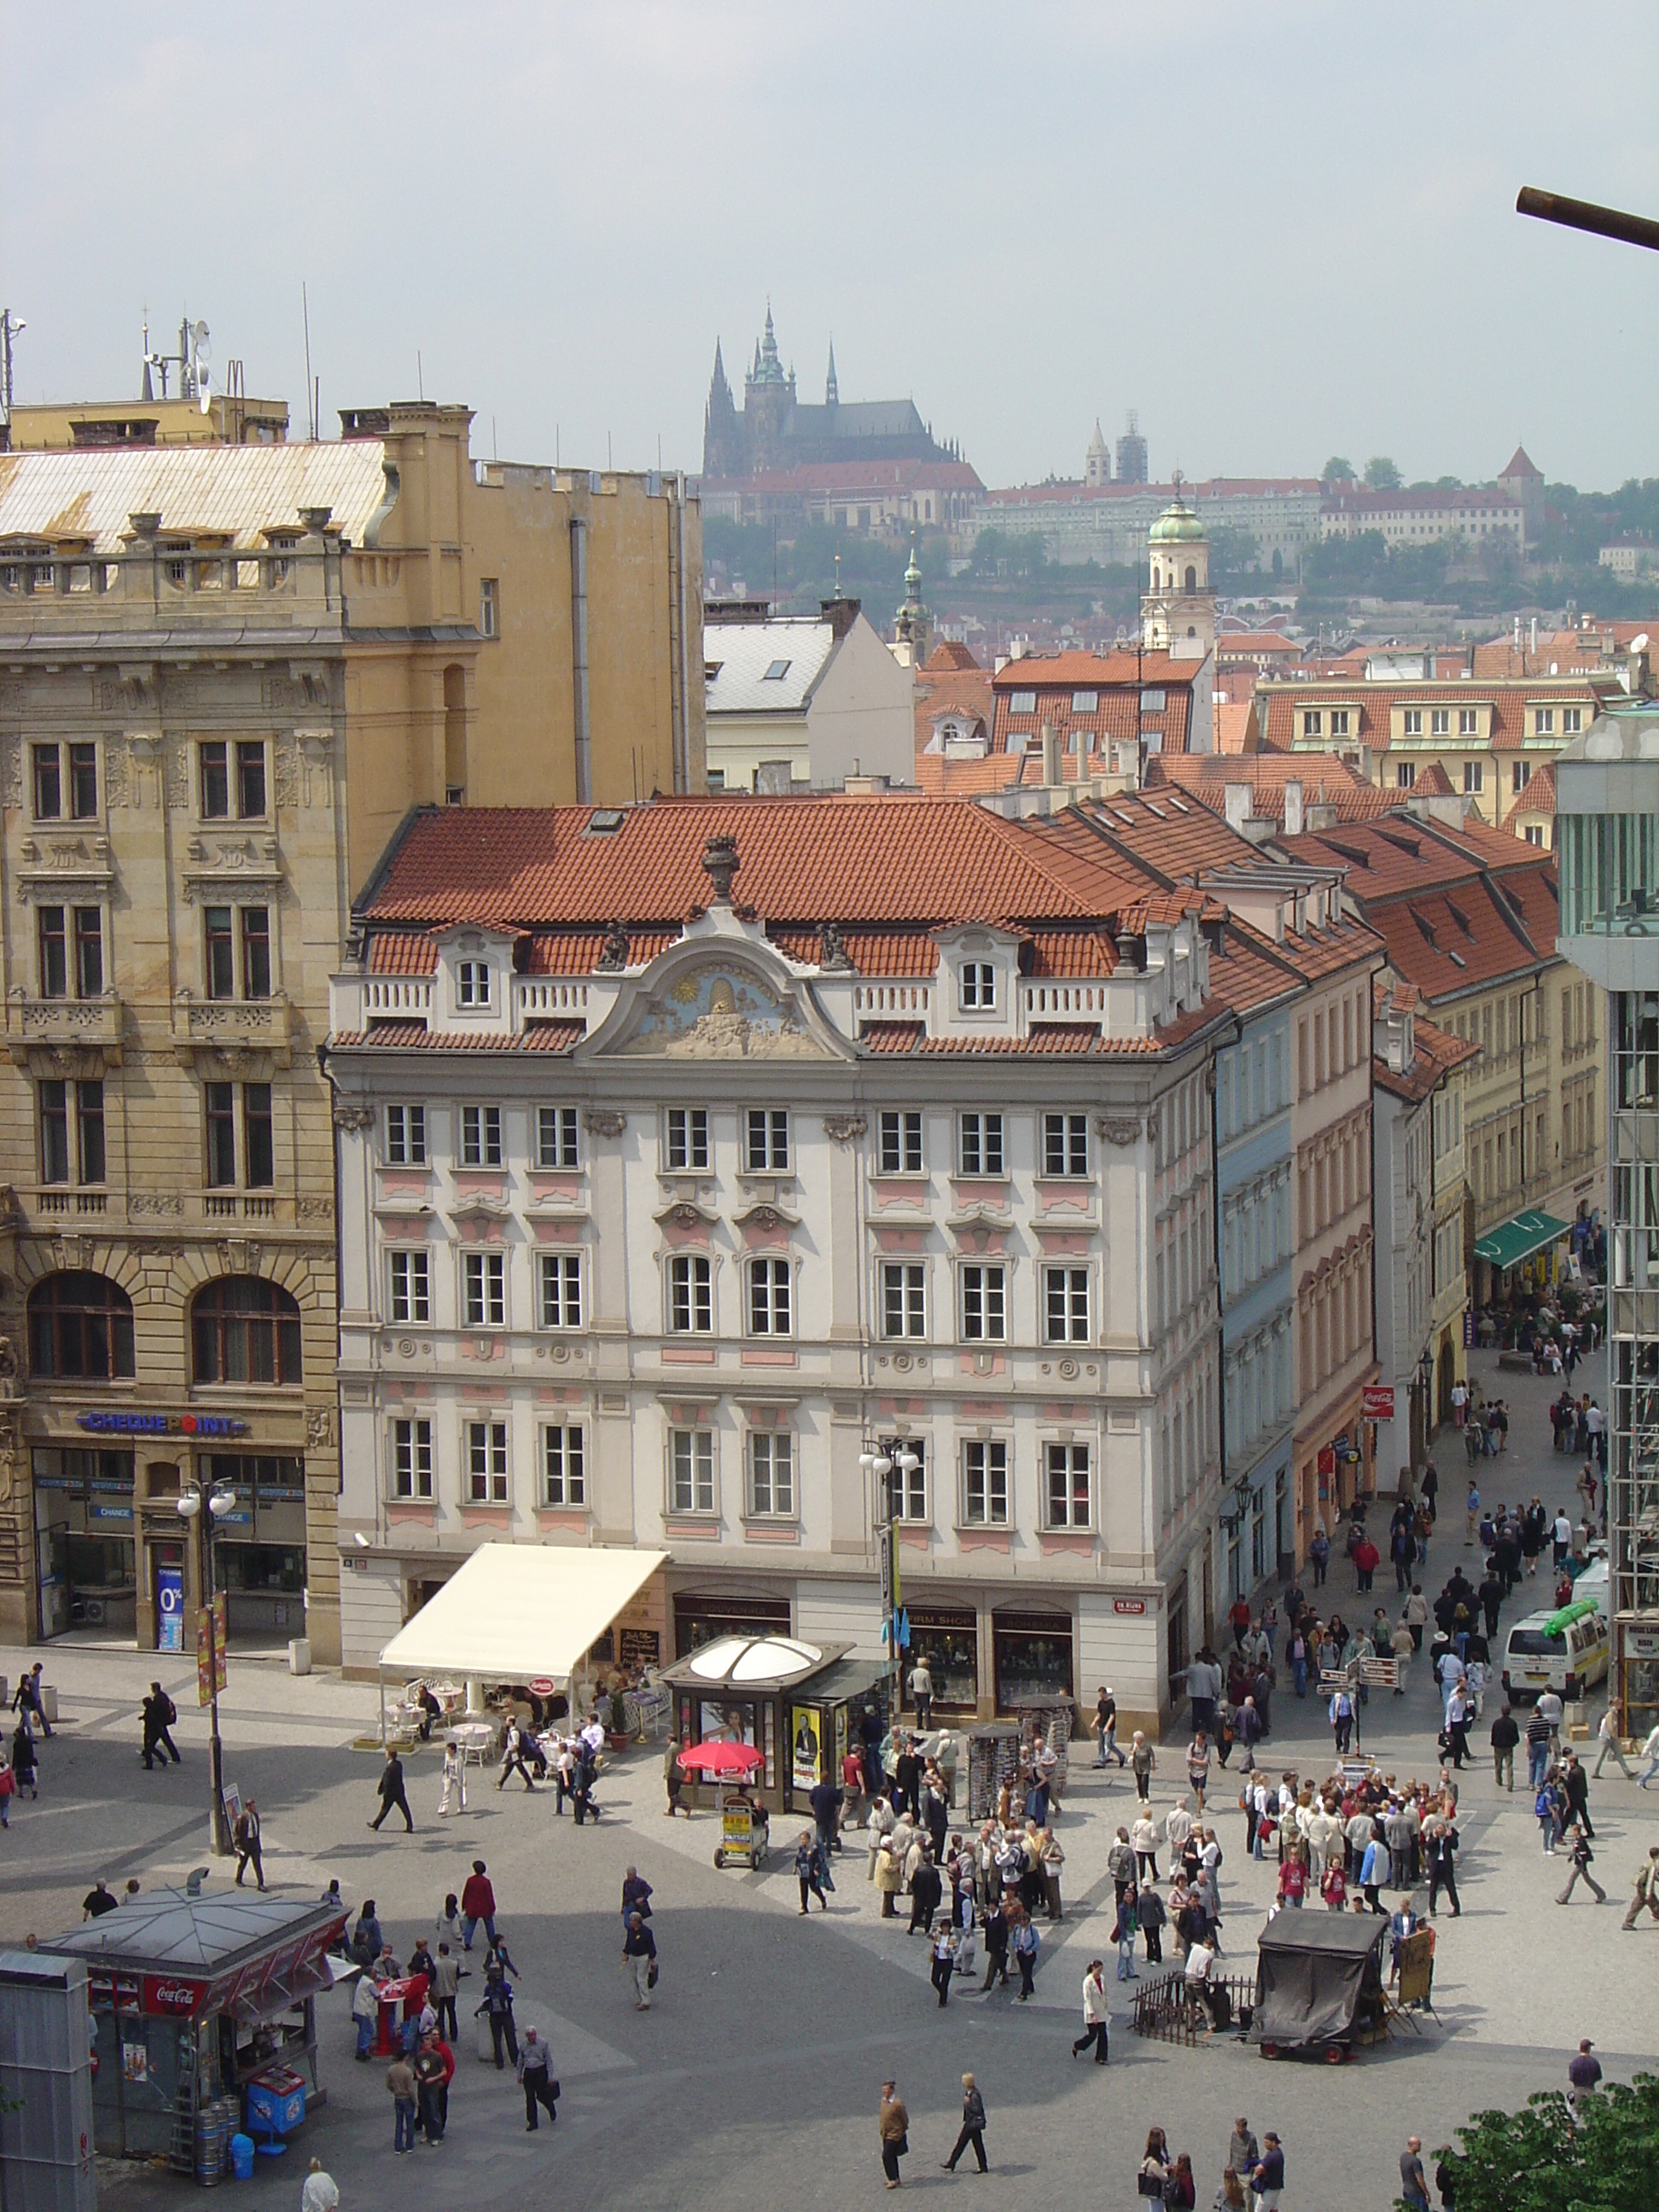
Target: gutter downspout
(578,660)
(683,732)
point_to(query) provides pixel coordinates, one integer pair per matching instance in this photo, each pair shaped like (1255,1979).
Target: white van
(1593,1583)
(1567,1663)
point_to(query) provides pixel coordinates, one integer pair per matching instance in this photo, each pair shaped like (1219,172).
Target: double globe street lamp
(204,1503)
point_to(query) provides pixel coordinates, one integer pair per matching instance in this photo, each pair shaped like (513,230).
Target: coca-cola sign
(163,1994)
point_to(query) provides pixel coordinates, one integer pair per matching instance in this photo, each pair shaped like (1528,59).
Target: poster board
(805,1747)
(737,1834)
(1417,1967)
(639,1647)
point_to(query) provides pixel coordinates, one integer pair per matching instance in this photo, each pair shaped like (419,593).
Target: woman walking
(807,1871)
(453,1795)
(973,2127)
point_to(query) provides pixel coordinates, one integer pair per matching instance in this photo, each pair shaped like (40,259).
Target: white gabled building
(688,1153)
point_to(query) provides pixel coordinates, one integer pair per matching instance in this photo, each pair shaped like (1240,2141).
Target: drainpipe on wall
(578,660)
(682,730)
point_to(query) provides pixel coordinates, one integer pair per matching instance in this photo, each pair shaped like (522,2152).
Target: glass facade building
(1607,842)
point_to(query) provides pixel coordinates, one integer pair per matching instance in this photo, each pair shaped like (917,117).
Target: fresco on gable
(715,1011)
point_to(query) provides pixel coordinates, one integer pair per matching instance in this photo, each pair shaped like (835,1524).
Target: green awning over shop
(1518,1238)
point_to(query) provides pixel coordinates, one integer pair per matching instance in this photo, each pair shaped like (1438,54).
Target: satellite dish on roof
(201,341)
(1639,644)
(203,390)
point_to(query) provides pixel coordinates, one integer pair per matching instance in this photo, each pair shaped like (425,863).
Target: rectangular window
(1338,721)
(1086,703)
(256,952)
(766,1140)
(251,780)
(220,955)
(556,1136)
(412,1285)
(48,783)
(472,983)
(259,1151)
(772,1474)
(54,953)
(691,1470)
(490,606)
(1413,721)
(979,1144)
(903,1298)
(769,1297)
(405,1136)
(1520,777)
(979,987)
(213,772)
(1572,721)
(1472,775)
(688,1137)
(54,1132)
(1066,1144)
(1022,703)
(562,1290)
(900,1150)
(84,782)
(219,1111)
(90,1130)
(1439,722)
(1066,1305)
(481,1136)
(1544,721)
(908,1485)
(691,1294)
(486,1462)
(1067,1498)
(483,1282)
(985,1485)
(88,952)
(1311,726)
(984,1304)
(411,1460)
(564,1467)
(1468,722)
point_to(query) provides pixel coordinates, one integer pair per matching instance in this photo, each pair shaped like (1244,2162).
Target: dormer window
(979,987)
(472,983)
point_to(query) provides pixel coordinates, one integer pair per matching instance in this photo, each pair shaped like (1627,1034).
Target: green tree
(1536,2160)
(1381,474)
(1338,470)
(1235,556)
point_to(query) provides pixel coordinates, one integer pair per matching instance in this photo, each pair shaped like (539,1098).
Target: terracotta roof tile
(1433,783)
(1118,679)
(950,653)
(892,1036)
(534,1037)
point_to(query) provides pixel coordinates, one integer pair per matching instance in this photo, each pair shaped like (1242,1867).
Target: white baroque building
(690,1151)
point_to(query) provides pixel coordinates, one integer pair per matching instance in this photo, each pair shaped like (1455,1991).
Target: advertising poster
(803,1746)
(725,1723)
(210,1654)
(170,1608)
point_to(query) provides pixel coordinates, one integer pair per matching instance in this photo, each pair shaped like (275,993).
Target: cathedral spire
(831,389)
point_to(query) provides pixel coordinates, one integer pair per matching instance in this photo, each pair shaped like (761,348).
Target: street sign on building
(1376,1401)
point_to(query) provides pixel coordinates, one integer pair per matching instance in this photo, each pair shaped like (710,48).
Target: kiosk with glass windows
(797,1704)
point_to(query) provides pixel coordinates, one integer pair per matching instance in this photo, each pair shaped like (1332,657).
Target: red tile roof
(1433,783)
(1119,679)
(534,1037)
(1371,707)
(1539,795)
(949,654)
(1326,780)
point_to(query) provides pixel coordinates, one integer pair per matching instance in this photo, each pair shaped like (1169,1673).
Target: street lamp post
(882,1465)
(204,1505)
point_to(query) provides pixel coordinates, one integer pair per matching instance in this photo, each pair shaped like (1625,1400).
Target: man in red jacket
(1366,1560)
(478,1902)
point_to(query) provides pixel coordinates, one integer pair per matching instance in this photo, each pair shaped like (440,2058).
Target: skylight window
(776,672)
(605,821)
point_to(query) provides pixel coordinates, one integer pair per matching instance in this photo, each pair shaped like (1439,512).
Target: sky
(1280,229)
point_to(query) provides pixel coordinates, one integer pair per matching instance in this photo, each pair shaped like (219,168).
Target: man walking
(445,1986)
(893,2127)
(1583,2072)
(247,1843)
(392,1792)
(1607,1735)
(1094,2014)
(1268,2175)
(25,1701)
(535,2072)
(400,2083)
(1581,1855)
(160,1714)
(477,1903)
(1645,1897)
(1106,1729)
(973,2127)
(922,1693)
(640,1952)
(1505,1737)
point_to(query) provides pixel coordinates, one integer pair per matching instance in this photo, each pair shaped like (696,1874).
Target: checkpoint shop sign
(162,1424)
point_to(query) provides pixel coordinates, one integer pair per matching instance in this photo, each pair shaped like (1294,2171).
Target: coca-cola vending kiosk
(194,2001)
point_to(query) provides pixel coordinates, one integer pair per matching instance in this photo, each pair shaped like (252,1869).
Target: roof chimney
(1292,808)
(721,863)
(1238,797)
(1050,755)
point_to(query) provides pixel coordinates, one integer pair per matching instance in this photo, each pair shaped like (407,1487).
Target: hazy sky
(1280,230)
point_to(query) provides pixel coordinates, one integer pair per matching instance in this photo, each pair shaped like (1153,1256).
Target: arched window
(80,1327)
(1192,579)
(243,1329)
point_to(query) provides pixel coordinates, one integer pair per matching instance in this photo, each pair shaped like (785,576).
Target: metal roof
(166,1930)
(235,492)
(740,653)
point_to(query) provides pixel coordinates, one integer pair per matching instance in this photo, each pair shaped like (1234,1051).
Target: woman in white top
(1144,1837)
(454,1781)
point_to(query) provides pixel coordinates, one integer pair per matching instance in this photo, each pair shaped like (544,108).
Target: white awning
(518,1610)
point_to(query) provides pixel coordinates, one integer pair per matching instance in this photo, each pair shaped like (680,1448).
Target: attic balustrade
(171,575)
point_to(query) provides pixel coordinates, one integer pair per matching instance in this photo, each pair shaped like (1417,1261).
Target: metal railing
(1168,2011)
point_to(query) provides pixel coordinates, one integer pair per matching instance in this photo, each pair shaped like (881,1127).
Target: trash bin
(298,1654)
(241,2157)
(49,1701)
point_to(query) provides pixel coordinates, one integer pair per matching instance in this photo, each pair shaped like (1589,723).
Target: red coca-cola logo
(162,1996)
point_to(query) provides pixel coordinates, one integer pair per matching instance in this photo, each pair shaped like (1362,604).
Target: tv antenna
(11,326)
(195,353)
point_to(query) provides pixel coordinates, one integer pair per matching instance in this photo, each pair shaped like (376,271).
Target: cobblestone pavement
(754,2080)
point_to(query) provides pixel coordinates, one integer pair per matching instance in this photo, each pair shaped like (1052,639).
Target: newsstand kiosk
(199,2005)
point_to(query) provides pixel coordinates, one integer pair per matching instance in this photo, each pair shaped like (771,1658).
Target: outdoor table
(410,1994)
(475,1741)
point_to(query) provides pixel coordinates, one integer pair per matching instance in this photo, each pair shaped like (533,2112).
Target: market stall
(204,2013)
(1319,1984)
(797,1704)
